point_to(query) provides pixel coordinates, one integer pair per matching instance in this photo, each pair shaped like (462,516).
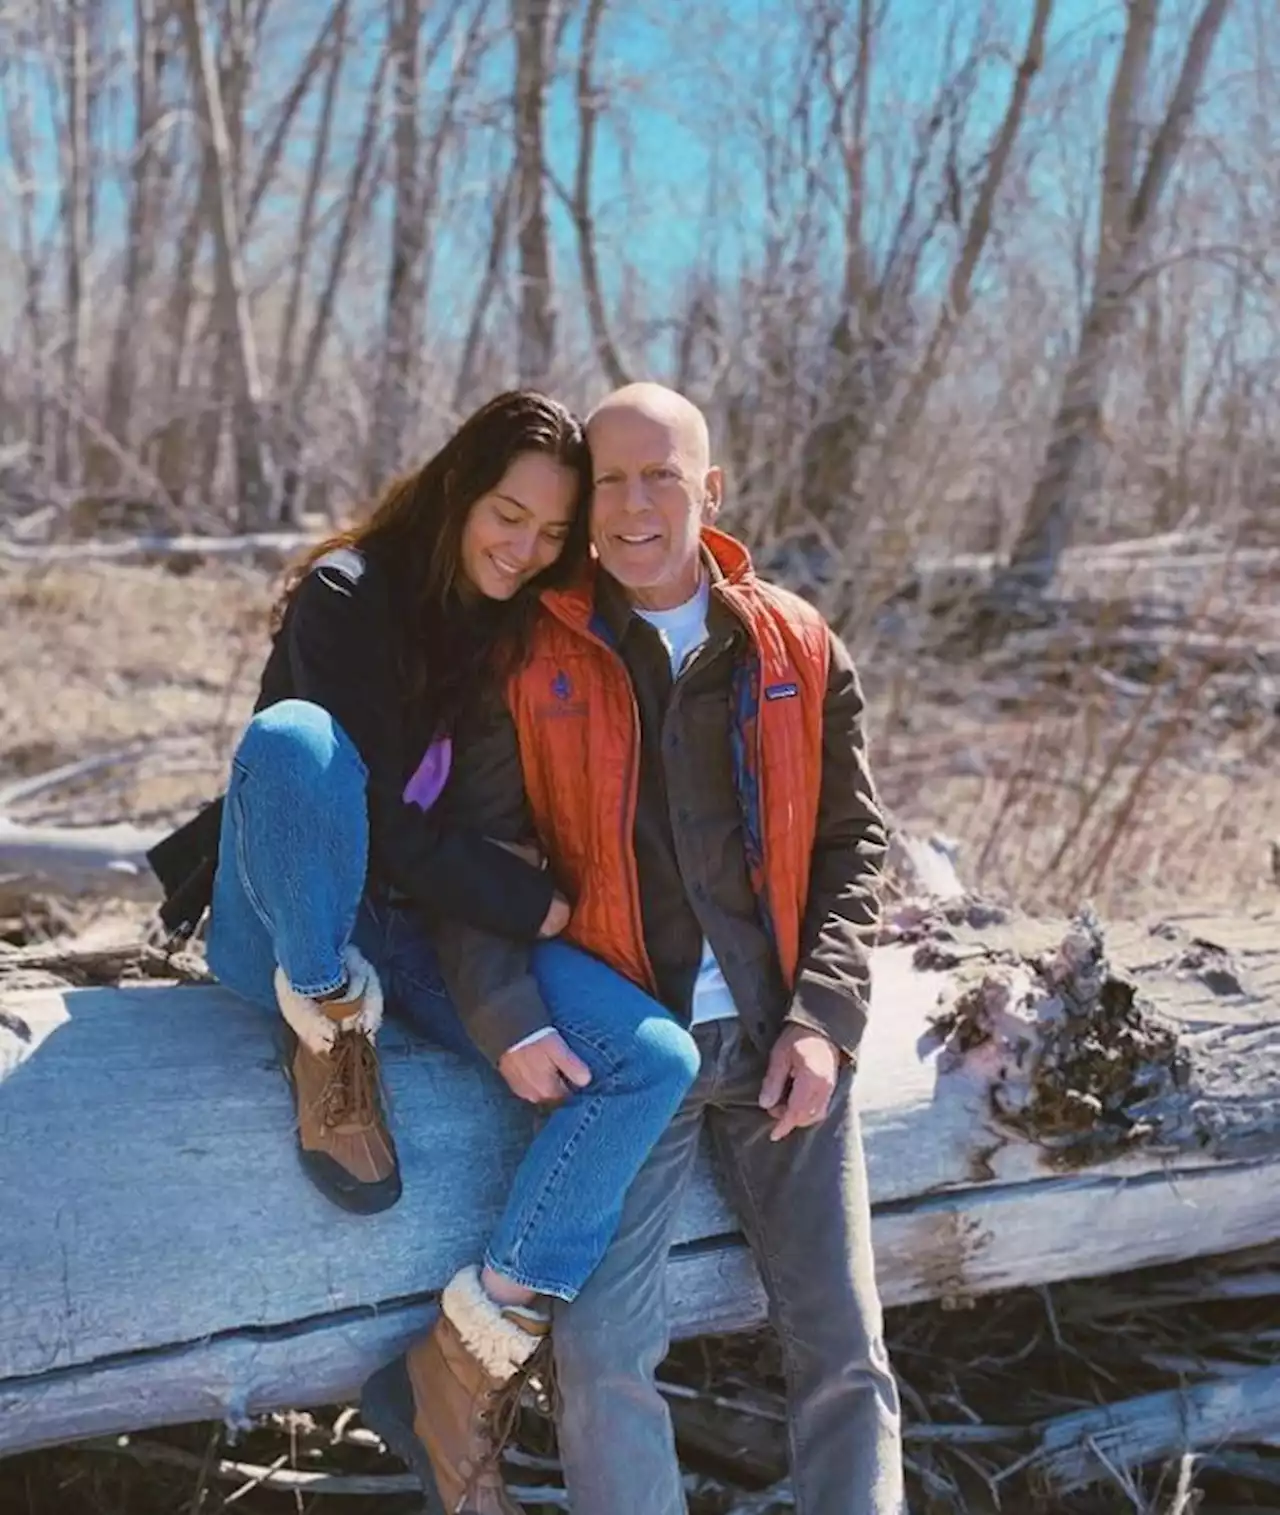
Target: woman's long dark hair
(414,532)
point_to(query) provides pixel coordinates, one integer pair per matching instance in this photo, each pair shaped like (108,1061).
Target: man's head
(654,490)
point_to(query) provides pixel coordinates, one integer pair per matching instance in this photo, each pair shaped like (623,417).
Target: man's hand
(529,852)
(545,1071)
(800,1080)
(557,917)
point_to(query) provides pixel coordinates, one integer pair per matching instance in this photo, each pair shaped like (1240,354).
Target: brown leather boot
(448,1406)
(343,1140)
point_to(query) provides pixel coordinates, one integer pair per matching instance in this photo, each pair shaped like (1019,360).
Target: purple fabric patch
(424,788)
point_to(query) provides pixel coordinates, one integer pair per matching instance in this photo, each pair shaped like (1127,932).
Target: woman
(332,858)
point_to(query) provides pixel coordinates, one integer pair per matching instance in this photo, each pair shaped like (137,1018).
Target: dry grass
(1134,796)
(101,659)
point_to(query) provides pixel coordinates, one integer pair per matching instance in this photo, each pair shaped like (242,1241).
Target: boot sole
(330,1177)
(386,1408)
(345,1192)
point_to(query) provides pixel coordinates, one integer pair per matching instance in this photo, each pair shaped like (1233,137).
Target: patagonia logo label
(782,691)
(561,685)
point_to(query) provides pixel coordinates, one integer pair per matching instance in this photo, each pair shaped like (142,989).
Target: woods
(953,304)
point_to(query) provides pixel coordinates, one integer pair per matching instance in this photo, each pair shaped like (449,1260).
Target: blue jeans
(291,890)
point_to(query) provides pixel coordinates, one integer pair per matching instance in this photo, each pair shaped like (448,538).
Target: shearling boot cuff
(315,1024)
(499,1340)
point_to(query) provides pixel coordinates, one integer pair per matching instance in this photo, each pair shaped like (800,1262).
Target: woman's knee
(301,743)
(665,1054)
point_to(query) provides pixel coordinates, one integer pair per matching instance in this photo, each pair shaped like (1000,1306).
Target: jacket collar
(597,594)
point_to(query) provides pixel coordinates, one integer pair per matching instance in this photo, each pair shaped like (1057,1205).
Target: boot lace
(502,1408)
(350,1094)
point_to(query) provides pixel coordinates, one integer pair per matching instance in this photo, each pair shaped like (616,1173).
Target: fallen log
(1032,1112)
(77,860)
(1091,1445)
(268,547)
(111,860)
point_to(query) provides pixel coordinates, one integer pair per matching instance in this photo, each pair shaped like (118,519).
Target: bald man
(686,745)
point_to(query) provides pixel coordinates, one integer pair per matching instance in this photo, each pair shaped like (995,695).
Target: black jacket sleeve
(341,656)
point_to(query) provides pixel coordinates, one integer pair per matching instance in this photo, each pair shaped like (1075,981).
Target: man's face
(652,495)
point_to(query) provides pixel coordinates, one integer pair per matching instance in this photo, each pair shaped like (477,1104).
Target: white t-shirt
(682,632)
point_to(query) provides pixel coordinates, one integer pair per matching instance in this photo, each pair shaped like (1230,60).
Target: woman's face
(519,527)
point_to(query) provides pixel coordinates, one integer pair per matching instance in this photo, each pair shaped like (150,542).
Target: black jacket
(336,649)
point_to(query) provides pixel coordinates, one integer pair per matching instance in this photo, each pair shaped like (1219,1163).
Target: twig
(739,1407)
(1182,1494)
(227,1470)
(757,1504)
(205,1464)
(257,1480)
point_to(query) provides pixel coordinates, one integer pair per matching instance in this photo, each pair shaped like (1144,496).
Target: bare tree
(143,237)
(536,339)
(403,318)
(420,157)
(77,214)
(607,353)
(336,25)
(19,129)
(500,227)
(978,230)
(1130,201)
(253,465)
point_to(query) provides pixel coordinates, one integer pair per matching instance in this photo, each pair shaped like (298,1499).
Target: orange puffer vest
(576,718)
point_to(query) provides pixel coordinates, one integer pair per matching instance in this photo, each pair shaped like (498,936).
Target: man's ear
(713,495)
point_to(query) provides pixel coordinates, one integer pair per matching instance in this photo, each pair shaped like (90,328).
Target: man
(690,743)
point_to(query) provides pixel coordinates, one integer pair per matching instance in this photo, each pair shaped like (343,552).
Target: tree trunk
(77,190)
(143,235)
(285,387)
(16,96)
(394,402)
(355,206)
(960,285)
(536,337)
(1073,461)
(254,472)
(607,354)
(464,389)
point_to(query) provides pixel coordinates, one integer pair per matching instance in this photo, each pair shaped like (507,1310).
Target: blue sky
(678,150)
